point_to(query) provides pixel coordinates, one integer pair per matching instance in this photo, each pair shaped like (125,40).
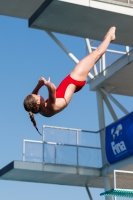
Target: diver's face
(39,99)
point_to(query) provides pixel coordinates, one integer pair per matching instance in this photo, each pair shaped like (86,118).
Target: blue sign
(119,139)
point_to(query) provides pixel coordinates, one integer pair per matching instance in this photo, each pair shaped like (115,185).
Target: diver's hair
(30,104)
(33,121)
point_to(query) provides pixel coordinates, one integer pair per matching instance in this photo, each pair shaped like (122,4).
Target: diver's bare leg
(80,72)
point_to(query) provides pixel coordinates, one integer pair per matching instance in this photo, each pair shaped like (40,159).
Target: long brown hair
(31,106)
(34,121)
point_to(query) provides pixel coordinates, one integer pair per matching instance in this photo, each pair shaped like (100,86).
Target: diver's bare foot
(111,33)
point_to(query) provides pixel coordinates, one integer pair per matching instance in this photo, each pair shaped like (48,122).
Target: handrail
(73,145)
(42,152)
(55,159)
(72,129)
(127,3)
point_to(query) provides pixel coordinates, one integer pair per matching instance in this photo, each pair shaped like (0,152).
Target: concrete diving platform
(62,174)
(65,156)
(53,174)
(52,162)
(116,79)
(86,19)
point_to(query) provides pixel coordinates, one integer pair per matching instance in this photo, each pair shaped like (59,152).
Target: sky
(25,56)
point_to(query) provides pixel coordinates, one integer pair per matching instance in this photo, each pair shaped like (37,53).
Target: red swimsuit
(60,91)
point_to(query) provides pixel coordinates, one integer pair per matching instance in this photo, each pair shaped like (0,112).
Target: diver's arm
(52,92)
(41,83)
(36,89)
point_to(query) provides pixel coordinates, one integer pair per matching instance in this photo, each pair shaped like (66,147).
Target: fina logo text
(119,147)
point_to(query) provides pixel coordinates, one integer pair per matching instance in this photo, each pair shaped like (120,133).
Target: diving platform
(62,163)
(53,174)
(117,78)
(86,19)
(62,174)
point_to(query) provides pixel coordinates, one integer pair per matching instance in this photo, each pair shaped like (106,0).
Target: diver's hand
(50,85)
(42,81)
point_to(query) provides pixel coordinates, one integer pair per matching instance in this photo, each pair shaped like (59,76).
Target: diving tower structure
(88,19)
(65,156)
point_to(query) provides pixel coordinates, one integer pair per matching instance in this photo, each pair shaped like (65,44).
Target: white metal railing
(33,151)
(65,146)
(108,59)
(127,3)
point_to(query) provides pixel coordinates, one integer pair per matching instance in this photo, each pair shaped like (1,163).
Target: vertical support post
(103,62)
(77,147)
(101,123)
(101,119)
(89,51)
(43,160)
(114,179)
(55,154)
(43,133)
(23,150)
(100,63)
(127,49)
(107,185)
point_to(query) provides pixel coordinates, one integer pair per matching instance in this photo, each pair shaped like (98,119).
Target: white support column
(100,63)
(23,156)
(90,50)
(107,186)
(114,100)
(112,112)
(103,62)
(66,51)
(114,183)
(127,49)
(101,118)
